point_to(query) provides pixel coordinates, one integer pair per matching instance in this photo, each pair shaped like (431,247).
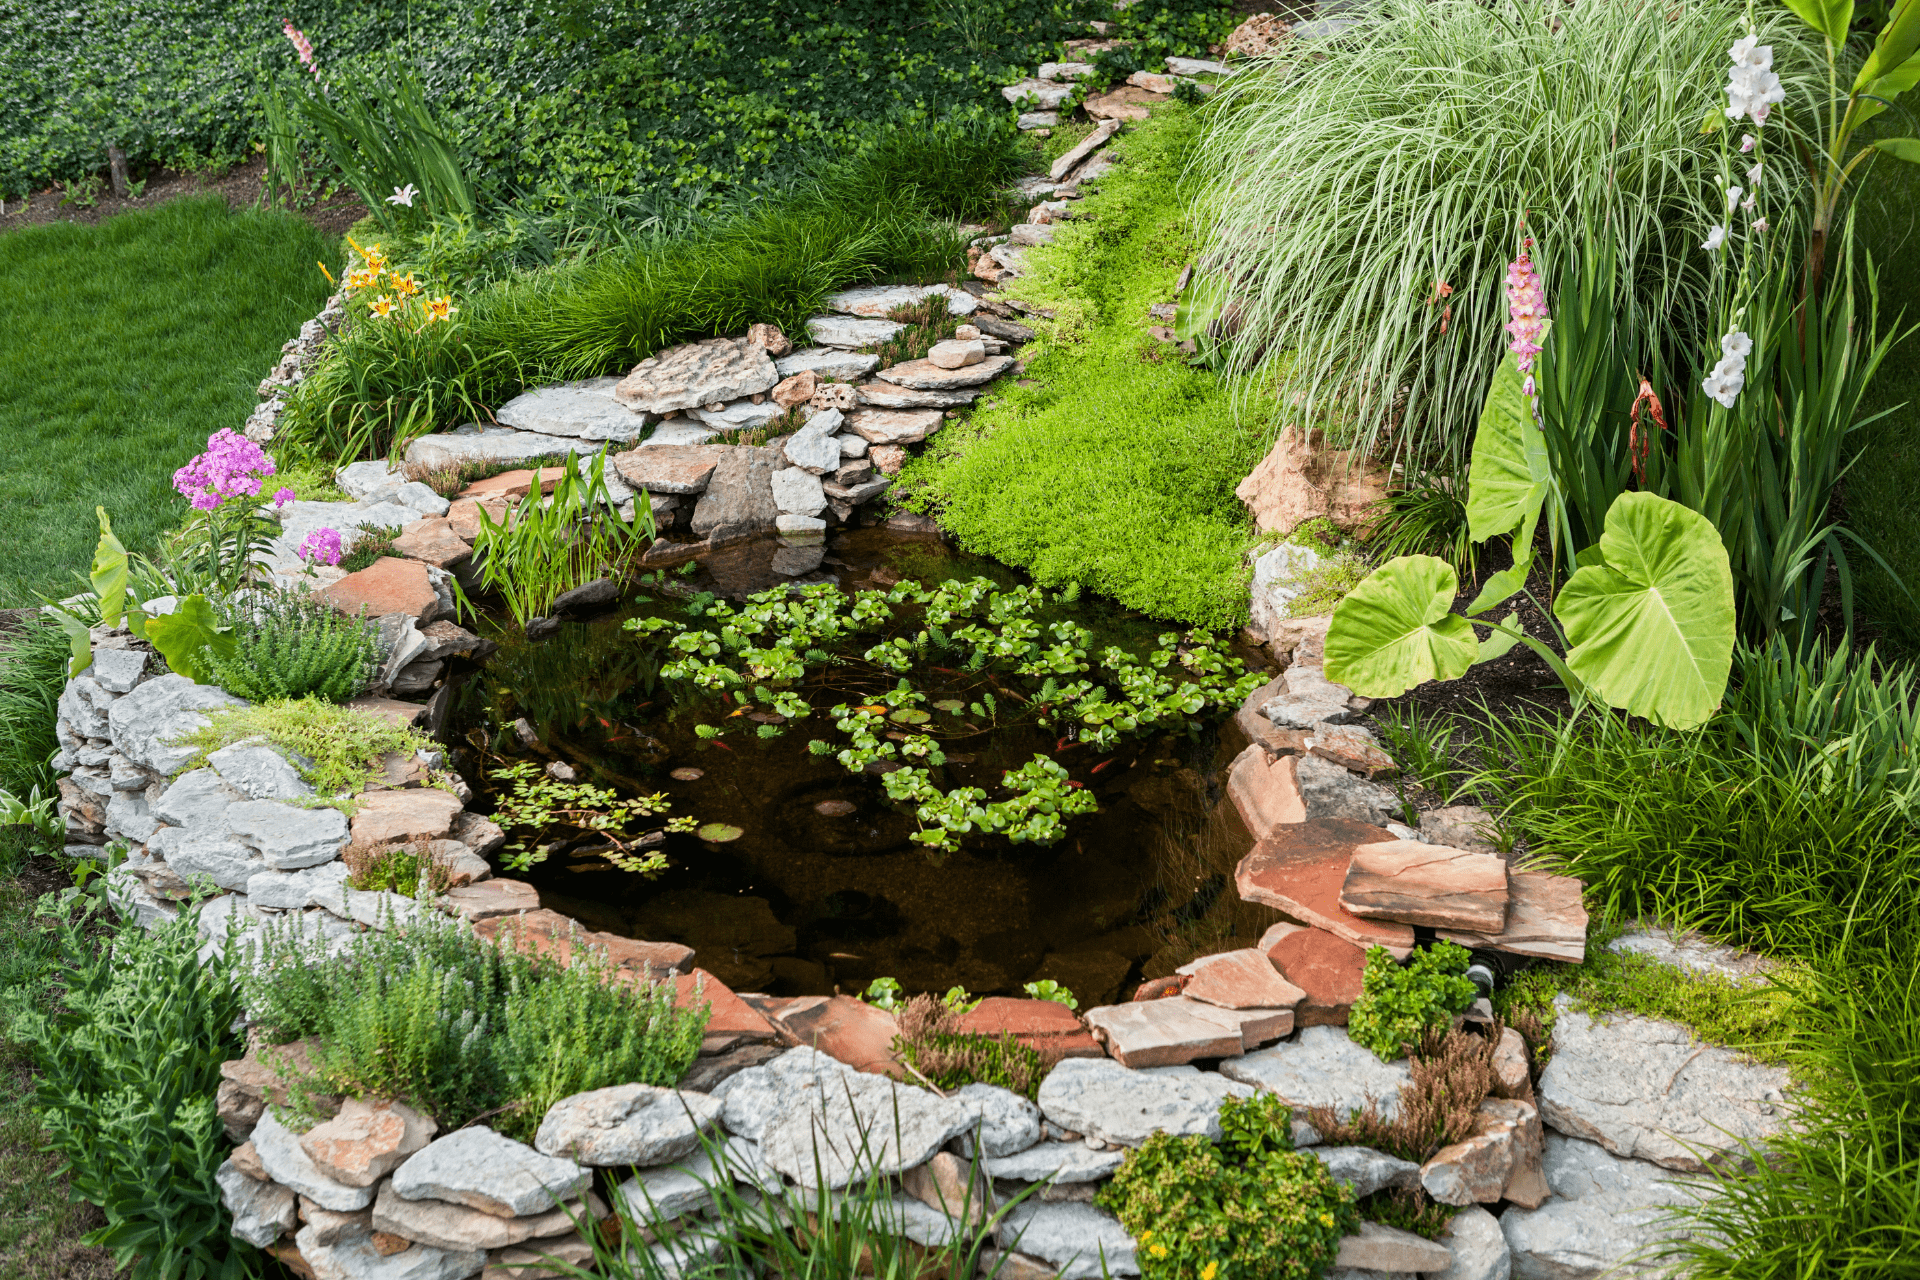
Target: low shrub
(1399,1004)
(129,1062)
(289,645)
(932,1044)
(463,1028)
(368,546)
(1249,1206)
(335,748)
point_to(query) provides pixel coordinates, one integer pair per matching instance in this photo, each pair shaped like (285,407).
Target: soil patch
(242,186)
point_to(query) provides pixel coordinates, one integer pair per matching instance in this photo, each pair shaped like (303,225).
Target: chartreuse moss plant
(1111,462)
(1400,1003)
(1245,1207)
(786,645)
(335,748)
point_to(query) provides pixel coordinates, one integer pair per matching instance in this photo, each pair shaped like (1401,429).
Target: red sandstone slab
(852,1031)
(1240,980)
(1046,1025)
(1351,747)
(1427,884)
(545,932)
(1545,918)
(1328,969)
(388,585)
(433,541)
(1163,1033)
(393,817)
(1255,1027)
(731,1016)
(486,899)
(1299,869)
(513,484)
(1265,790)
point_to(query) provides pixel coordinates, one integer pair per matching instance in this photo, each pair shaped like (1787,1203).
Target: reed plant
(1364,205)
(546,546)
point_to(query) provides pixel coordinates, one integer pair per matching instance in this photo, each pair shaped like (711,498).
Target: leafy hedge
(557,95)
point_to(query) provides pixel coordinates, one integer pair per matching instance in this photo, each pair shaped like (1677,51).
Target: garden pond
(760,829)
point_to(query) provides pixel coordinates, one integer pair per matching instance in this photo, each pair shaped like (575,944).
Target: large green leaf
(79,640)
(187,635)
(1509,475)
(1829,17)
(1899,40)
(1886,88)
(1651,628)
(1907,149)
(1394,631)
(109,576)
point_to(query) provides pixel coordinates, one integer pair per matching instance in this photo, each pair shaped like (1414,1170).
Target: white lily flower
(1716,236)
(404,195)
(1736,345)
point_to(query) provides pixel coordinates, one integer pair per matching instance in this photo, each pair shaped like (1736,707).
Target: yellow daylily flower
(383,306)
(406,286)
(441,308)
(1209,1271)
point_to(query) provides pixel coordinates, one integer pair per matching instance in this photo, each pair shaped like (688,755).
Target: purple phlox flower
(233,466)
(321,546)
(1527,304)
(282,497)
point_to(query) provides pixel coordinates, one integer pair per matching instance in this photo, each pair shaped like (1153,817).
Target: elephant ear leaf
(188,636)
(110,573)
(1394,631)
(1651,628)
(1509,475)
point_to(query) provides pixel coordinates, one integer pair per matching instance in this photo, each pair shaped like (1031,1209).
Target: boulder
(1503,1148)
(627,1124)
(1479,1251)
(1511,1077)
(198,801)
(1301,479)
(1605,1211)
(148,724)
(262,1211)
(1545,918)
(1321,1067)
(481,1169)
(1003,1122)
(1265,790)
(388,585)
(439,1225)
(697,373)
(797,390)
(1645,1088)
(673,1191)
(366,1140)
(190,855)
(850,331)
(752,1099)
(1426,884)
(1460,826)
(924,375)
(583,410)
(954,354)
(1367,1170)
(769,337)
(1300,869)
(839,1129)
(1058,1162)
(1327,969)
(1240,980)
(797,491)
(1106,1100)
(258,772)
(739,497)
(332,1228)
(813,448)
(117,670)
(293,890)
(395,817)
(1353,747)
(1381,1248)
(288,1164)
(1046,95)
(361,1258)
(289,838)
(1081,1241)
(875,301)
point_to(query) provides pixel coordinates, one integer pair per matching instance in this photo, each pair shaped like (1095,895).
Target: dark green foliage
(463,1028)
(293,646)
(1249,1207)
(1398,1004)
(33,671)
(1409,1210)
(129,1063)
(931,1043)
(369,546)
(1425,516)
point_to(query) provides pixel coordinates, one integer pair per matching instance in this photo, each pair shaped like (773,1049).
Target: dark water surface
(824,889)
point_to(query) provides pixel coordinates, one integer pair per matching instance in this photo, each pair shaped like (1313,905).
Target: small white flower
(1747,51)
(1716,236)
(1736,345)
(1725,382)
(404,195)
(1733,197)
(1759,224)
(1747,142)
(1753,174)
(1747,205)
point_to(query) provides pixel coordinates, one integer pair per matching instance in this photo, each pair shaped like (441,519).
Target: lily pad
(909,715)
(719,833)
(834,808)
(688,775)
(952,706)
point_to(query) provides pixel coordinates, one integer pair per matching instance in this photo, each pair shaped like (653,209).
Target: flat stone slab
(1692,952)
(475,443)
(286,837)
(583,410)
(1376,1247)
(258,772)
(1367,1170)
(356,1258)
(1265,790)
(828,362)
(1240,980)
(1046,1025)
(627,1124)
(924,375)
(1327,969)
(675,1190)
(1299,868)
(1605,1211)
(741,415)
(1426,884)
(885,395)
(488,899)
(1321,1067)
(1080,1241)
(1646,1089)
(1106,1100)
(388,585)
(1545,918)
(840,1129)
(417,813)
(262,1211)
(754,1098)
(1160,1033)
(894,426)
(678,469)
(288,1164)
(1046,95)
(851,1032)
(293,890)
(874,301)
(1060,1162)
(851,331)
(439,1225)
(712,371)
(483,1170)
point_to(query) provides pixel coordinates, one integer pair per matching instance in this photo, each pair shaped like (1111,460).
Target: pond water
(823,889)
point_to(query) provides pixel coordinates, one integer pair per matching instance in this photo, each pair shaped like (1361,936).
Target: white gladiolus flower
(1747,142)
(1747,51)
(1733,197)
(1753,174)
(1736,345)
(1748,205)
(1716,236)
(1751,92)
(1759,224)
(1725,382)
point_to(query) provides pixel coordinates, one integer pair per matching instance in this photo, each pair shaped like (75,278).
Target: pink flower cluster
(1527,304)
(301,46)
(233,466)
(322,545)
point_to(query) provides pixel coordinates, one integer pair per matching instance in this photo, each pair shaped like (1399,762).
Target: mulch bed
(242,187)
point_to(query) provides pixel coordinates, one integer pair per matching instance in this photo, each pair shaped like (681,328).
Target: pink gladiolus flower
(321,546)
(233,466)
(1527,304)
(301,45)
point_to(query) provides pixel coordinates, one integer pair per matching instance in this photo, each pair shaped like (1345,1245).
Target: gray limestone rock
(421,498)
(1060,1162)
(293,890)
(874,301)
(440,1225)
(84,705)
(1367,1170)
(1080,1241)
(1382,1248)
(739,496)
(377,910)
(713,371)
(118,670)
(356,1258)
(1646,1089)
(843,1128)
(1004,1122)
(481,1169)
(362,480)
(828,362)
(288,838)
(753,1099)
(798,492)
(796,526)
(679,431)
(125,775)
(672,1191)
(1459,826)
(583,410)
(258,772)
(475,443)
(627,1124)
(924,375)
(1605,1212)
(1101,1098)
(132,899)
(849,331)
(1330,791)
(1479,1248)
(742,415)
(262,1211)
(1691,952)
(289,1165)
(885,395)
(129,817)
(203,853)
(1321,1067)
(198,801)
(148,723)
(813,448)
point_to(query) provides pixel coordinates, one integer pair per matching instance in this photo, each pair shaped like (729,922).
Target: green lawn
(126,345)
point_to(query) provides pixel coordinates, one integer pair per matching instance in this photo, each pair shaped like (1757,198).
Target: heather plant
(289,645)
(1398,1003)
(410,869)
(933,1046)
